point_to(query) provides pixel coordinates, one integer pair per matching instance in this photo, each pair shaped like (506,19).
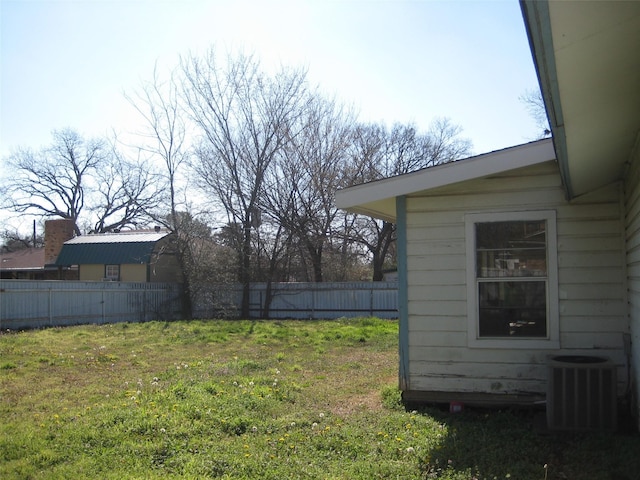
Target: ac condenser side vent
(581,393)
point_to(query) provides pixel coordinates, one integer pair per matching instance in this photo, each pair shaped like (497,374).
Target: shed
(510,258)
(131,256)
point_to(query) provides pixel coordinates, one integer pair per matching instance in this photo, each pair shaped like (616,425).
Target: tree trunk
(268,297)
(380,253)
(316,262)
(245,273)
(185,299)
(378,261)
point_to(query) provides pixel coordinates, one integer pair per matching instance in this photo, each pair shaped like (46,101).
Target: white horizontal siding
(418,279)
(591,274)
(481,356)
(520,371)
(435,323)
(437,293)
(632,237)
(603,309)
(433,261)
(474,384)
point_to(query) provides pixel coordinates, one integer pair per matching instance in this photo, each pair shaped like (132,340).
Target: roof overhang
(378,199)
(587,56)
(105,253)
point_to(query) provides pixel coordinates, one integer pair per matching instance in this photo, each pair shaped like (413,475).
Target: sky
(68,63)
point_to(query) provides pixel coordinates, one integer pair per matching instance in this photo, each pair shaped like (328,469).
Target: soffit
(596,46)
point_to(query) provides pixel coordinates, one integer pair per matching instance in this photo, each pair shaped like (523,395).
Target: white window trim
(106,268)
(552,341)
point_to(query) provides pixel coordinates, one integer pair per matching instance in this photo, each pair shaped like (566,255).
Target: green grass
(256,399)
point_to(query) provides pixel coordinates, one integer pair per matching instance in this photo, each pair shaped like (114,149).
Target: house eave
(377,199)
(538,27)
(586,59)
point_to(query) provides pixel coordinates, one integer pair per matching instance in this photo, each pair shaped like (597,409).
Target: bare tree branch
(126,195)
(55,181)
(379,153)
(164,142)
(243,116)
(534,103)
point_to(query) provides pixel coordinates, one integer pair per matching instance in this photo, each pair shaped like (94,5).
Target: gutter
(537,22)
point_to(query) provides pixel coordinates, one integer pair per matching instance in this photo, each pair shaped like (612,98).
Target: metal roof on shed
(122,237)
(110,248)
(105,253)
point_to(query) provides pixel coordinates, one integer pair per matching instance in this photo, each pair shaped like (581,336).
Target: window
(512,279)
(112,272)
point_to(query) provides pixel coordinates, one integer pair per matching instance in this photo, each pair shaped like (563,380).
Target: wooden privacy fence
(305,300)
(326,300)
(34,304)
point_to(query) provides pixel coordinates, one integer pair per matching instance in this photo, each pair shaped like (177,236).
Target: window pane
(511,249)
(512,309)
(112,272)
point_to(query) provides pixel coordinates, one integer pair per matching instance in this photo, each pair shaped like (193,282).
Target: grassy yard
(259,400)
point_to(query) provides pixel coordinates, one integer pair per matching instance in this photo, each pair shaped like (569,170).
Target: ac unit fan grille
(581,396)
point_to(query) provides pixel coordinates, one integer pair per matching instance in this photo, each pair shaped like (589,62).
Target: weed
(255,400)
(392,398)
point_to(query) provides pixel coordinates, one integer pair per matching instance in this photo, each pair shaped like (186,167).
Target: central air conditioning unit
(581,393)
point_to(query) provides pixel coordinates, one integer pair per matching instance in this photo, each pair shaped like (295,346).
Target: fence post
(50,307)
(371,300)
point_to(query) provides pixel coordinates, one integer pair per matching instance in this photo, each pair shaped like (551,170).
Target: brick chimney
(56,232)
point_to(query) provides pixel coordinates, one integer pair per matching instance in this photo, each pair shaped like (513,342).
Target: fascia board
(442,175)
(537,22)
(376,213)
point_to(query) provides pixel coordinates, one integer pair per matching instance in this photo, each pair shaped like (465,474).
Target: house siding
(91,272)
(591,282)
(632,238)
(133,273)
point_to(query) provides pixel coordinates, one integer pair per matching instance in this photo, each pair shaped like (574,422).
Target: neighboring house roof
(587,57)
(110,248)
(27,259)
(378,198)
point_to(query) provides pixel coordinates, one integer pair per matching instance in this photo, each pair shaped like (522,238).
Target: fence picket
(33,304)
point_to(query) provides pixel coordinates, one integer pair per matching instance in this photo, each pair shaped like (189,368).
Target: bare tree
(534,103)
(82,180)
(244,117)
(302,184)
(273,250)
(164,137)
(212,275)
(379,153)
(444,144)
(126,194)
(164,141)
(56,180)
(13,240)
